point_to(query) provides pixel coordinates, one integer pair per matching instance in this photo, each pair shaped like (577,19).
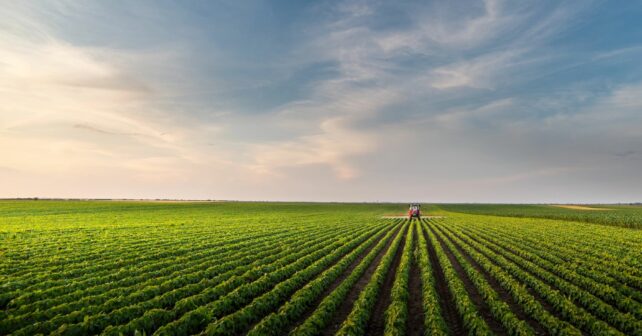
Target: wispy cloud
(51,88)
(342,97)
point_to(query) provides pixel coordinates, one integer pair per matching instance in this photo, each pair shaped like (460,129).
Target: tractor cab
(414,211)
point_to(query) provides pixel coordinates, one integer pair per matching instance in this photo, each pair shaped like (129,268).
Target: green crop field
(618,215)
(229,268)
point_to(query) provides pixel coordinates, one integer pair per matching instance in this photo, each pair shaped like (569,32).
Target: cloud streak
(344,100)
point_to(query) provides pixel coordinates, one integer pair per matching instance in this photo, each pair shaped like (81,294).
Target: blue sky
(467,101)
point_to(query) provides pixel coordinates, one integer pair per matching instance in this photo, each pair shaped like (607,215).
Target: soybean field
(234,268)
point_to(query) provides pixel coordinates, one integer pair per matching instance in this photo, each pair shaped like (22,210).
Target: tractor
(414,211)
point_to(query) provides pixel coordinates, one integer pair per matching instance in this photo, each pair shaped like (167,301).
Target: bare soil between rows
(346,307)
(415,322)
(340,279)
(446,301)
(545,304)
(377,318)
(503,293)
(473,293)
(332,264)
(508,252)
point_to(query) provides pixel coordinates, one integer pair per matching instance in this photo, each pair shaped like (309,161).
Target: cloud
(333,146)
(616,109)
(373,81)
(527,175)
(348,98)
(49,86)
(455,28)
(471,117)
(102,131)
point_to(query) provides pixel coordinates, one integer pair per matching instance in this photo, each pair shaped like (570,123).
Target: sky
(434,101)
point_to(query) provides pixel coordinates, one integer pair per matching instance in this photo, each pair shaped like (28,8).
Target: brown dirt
(346,307)
(446,301)
(503,294)
(340,279)
(494,325)
(544,302)
(331,265)
(415,322)
(538,297)
(547,306)
(377,319)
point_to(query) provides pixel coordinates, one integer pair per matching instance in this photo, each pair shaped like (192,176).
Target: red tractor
(414,211)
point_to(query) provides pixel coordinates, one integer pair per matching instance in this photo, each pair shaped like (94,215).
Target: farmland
(617,215)
(229,268)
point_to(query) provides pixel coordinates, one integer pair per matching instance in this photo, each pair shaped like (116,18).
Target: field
(152,268)
(617,215)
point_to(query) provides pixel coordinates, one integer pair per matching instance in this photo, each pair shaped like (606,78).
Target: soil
(446,301)
(504,294)
(331,265)
(494,325)
(346,307)
(377,319)
(542,300)
(415,322)
(339,280)
(547,306)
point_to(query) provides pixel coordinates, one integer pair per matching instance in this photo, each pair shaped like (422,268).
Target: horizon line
(285,201)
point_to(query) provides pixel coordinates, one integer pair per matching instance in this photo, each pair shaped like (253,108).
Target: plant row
(319,320)
(275,323)
(121,309)
(518,292)
(434,323)
(197,319)
(473,322)
(597,288)
(562,304)
(396,314)
(625,322)
(239,321)
(498,308)
(355,323)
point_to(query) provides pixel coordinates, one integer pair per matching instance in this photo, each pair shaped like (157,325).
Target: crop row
(396,314)
(82,292)
(478,274)
(594,305)
(327,308)
(612,249)
(600,268)
(520,295)
(498,308)
(598,288)
(152,318)
(93,272)
(355,323)
(159,294)
(303,299)
(149,296)
(434,323)
(197,319)
(241,320)
(473,322)
(87,258)
(564,306)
